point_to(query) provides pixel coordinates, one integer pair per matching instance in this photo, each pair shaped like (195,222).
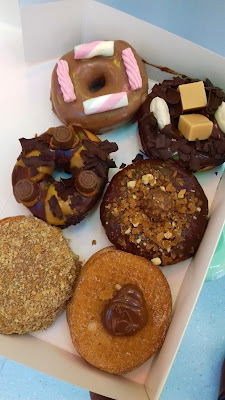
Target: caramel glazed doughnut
(155,209)
(164,140)
(99,85)
(74,150)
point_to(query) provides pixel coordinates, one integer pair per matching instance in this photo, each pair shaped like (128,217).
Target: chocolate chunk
(126,313)
(55,207)
(138,157)
(160,141)
(64,137)
(38,161)
(195,164)
(86,182)
(26,191)
(123,165)
(108,147)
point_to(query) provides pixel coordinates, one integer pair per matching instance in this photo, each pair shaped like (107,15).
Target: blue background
(196,370)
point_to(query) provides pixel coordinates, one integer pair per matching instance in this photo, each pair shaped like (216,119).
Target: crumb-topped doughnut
(99,85)
(73,150)
(184,119)
(156,210)
(120,311)
(37,274)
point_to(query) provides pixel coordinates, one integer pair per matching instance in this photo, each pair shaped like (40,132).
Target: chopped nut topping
(181,194)
(118,287)
(138,240)
(148,178)
(92,326)
(131,184)
(168,235)
(163,188)
(198,209)
(127,231)
(156,261)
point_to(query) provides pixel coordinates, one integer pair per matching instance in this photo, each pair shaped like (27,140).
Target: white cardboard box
(50,30)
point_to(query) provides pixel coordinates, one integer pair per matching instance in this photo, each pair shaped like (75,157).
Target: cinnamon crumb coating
(37,274)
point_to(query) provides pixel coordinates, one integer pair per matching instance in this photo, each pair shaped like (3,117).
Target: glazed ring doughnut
(120,311)
(99,85)
(73,150)
(168,142)
(155,209)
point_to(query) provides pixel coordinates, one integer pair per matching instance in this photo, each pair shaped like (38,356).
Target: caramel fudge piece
(192,95)
(195,126)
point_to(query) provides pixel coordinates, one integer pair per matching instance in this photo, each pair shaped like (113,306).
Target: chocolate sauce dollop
(126,313)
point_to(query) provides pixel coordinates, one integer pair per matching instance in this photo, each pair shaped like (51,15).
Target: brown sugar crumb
(93,242)
(37,274)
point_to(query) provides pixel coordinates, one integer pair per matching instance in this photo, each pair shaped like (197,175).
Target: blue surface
(200,21)
(195,371)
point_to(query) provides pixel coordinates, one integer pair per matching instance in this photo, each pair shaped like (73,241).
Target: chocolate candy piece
(125,314)
(221,395)
(86,182)
(25,191)
(64,138)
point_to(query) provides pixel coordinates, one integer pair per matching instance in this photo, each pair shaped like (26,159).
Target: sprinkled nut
(173,224)
(134,196)
(135,224)
(181,194)
(138,240)
(118,287)
(163,188)
(128,231)
(148,178)
(92,326)
(168,249)
(168,235)
(131,184)
(198,209)
(156,261)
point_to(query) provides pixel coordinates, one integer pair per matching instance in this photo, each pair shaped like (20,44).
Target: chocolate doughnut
(93,70)
(155,209)
(120,311)
(75,151)
(168,142)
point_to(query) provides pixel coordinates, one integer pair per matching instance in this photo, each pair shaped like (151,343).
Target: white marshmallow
(160,110)
(220,116)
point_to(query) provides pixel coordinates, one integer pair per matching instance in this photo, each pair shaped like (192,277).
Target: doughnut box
(26,110)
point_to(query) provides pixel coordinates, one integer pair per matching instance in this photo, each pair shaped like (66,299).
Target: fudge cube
(195,126)
(192,95)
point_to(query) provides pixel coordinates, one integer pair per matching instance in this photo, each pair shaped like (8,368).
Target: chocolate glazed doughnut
(169,142)
(73,150)
(156,210)
(74,81)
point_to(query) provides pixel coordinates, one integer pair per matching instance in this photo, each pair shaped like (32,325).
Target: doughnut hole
(158,206)
(96,84)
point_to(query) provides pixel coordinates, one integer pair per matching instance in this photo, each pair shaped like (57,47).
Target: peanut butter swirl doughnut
(120,311)
(156,210)
(73,150)
(99,85)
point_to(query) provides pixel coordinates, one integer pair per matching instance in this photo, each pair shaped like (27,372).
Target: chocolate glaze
(111,73)
(60,159)
(191,236)
(169,143)
(125,314)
